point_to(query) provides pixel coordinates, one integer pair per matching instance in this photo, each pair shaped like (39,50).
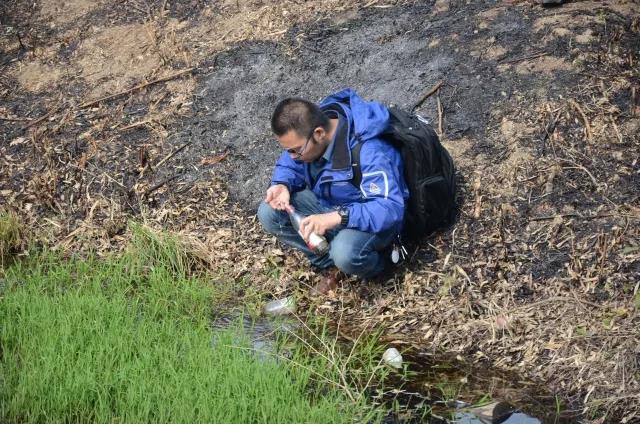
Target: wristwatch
(344,215)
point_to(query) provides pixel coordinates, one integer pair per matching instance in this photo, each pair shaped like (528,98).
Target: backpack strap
(355,164)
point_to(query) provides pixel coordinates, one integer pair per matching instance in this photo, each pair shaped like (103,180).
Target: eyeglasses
(299,151)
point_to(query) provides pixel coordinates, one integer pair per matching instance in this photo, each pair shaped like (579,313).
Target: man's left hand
(319,224)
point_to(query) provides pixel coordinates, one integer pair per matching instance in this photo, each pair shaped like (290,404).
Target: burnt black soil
(382,53)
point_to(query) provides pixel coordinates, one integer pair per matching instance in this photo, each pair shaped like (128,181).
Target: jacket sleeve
(289,172)
(383,190)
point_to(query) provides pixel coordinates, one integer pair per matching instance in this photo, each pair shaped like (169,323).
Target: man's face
(306,149)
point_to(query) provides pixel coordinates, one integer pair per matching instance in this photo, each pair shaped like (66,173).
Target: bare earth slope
(540,109)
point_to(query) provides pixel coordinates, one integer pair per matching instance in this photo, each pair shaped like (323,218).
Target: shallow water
(262,332)
(432,390)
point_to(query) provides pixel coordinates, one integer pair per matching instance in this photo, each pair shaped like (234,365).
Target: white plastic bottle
(317,244)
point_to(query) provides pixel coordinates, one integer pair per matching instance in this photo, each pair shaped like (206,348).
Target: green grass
(128,339)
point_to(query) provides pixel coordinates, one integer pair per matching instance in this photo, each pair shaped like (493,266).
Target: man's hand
(278,197)
(319,224)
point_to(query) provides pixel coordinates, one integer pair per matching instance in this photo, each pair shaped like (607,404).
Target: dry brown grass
(12,237)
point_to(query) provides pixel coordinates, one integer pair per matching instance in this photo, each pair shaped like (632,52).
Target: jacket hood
(369,119)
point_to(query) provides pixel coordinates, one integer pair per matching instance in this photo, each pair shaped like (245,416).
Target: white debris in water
(284,306)
(392,357)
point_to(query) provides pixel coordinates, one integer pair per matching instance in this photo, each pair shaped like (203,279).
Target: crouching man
(315,175)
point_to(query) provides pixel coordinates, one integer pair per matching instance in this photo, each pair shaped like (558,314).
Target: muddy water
(450,391)
(431,390)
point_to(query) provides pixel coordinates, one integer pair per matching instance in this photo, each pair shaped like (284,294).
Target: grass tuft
(11,237)
(128,338)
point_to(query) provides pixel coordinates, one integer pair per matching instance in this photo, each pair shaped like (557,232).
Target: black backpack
(428,171)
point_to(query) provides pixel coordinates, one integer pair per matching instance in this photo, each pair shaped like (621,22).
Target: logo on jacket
(374,189)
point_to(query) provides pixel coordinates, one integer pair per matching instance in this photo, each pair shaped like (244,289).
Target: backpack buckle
(422,119)
(398,251)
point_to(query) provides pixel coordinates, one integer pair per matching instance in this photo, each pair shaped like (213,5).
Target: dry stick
(549,129)
(136,124)
(172,154)
(161,183)
(110,97)
(564,215)
(588,217)
(584,118)
(137,87)
(42,118)
(520,59)
(615,127)
(578,166)
(6,118)
(554,299)
(20,41)
(127,190)
(428,94)
(440,114)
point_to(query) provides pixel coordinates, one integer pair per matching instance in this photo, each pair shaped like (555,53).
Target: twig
(428,94)
(161,183)
(6,118)
(520,59)
(20,41)
(137,87)
(172,154)
(127,190)
(549,129)
(136,124)
(578,166)
(440,114)
(575,215)
(42,118)
(549,217)
(615,127)
(584,118)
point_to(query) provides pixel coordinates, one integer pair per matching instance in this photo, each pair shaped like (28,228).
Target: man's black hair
(299,115)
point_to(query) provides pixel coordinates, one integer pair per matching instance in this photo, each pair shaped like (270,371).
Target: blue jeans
(352,251)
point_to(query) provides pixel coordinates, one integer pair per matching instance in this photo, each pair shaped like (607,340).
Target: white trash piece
(392,357)
(395,255)
(284,306)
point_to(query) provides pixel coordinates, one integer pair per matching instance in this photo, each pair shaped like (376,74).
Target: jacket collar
(341,155)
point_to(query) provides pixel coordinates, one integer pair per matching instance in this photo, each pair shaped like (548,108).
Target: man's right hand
(278,197)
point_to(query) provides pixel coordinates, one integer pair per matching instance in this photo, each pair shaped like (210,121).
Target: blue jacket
(379,203)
